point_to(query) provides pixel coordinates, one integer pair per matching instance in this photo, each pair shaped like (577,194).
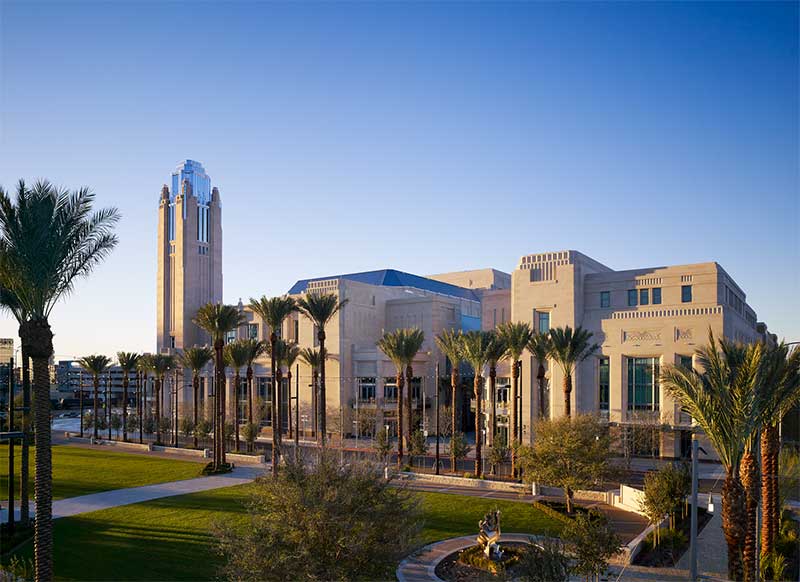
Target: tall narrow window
(656,295)
(544,322)
(685,361)
(605,298)
(643,385)
(686,293)
(252,330)
(603,388)
(644,297)
(632,296)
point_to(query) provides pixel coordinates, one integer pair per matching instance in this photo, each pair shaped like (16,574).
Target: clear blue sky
(423,137)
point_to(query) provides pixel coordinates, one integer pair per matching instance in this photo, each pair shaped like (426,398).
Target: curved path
(421,565)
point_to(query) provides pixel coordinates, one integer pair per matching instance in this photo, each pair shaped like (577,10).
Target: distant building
(6,350)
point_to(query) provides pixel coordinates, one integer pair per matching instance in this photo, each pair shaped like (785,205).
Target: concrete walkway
(118,497)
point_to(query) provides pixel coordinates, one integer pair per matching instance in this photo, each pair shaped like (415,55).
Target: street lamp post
(436,383)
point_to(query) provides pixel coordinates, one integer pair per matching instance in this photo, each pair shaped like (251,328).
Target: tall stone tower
(189,255)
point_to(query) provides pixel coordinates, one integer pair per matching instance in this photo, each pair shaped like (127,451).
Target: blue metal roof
(393,278)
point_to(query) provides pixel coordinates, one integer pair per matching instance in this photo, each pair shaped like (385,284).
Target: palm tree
(313,358)
(195,359)
(160,364)
(273,312)
(320,309)
(289,356)
(411,345)
(725,402)
(143,365)
(539,346)
(495,352)
(49,238)
(568,348)
(393,345)
(96,366)
(217,320)
(255,348)
(128,362)
(449,342)
(9,302)
(236,355)
(516,336)
(474,347)
(781,384)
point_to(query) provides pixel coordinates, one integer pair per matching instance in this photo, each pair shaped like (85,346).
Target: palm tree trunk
(750,481)
(734,516)
(43,483)
(314,395)
(453,406)
(409,408)
(540,380)
(250,394)
(236,379)
(24,469)
(493,401)
(219,405)
(95,404)
(514,412)
(125,407)
(195,391)
(478,422)
(322,396)
(276,425)
(567,394)
(159,381)
(770,514)
(142,397)
(400,434)
(289,399)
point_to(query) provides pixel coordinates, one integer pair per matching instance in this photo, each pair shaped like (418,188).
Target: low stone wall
(464,482)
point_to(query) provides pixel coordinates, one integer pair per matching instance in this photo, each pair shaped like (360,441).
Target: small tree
(544,561)
(499,453)
(165,423)
(116,423)
(570,453)
(250,433)
(133,422)
(383,445)
(186,426)
(593,543)
(417,446)
(459,449)
(665,492)
(324,521)
(202,429)
(149,424)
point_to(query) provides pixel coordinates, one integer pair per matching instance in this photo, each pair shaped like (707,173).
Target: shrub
(592,541)
(499,453)
(544,561)
(321,522)
(116,423)
(383,445)
(417,445)
(250,433)
(475,557)
(186,426)
(149,424)
(459,447)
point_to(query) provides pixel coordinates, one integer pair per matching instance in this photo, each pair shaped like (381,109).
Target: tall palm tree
(236,355)
(320,309)
(474,347)
(781,384)
(568,348)
(273,312)
(313,358)
(143,365)
(411,345)
(160,364)
(449,342)
(9,302)
(495,352)
(289,356)
(127,362)
(725,402)
(393,345)
(217,320)
(96,366)
(516,336)
(49,237)
(255,348)
(539,346)
(195,359)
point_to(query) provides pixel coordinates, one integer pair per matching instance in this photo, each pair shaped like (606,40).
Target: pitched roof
(393,278)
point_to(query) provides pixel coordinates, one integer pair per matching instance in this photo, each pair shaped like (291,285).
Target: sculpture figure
(489,535)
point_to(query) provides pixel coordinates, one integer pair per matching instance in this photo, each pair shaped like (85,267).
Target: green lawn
(78,471)
(169,539)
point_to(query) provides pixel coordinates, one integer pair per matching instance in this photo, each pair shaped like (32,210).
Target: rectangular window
(416,388)
(632,296)
(644,297)
(656,295)
(605,298)
(685,361)
(390,389)
(503,391)
(544,322)
(604,384)
(230,336)
(686,293)
(643,385)
(494,318)
(366,389)
(252,331)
